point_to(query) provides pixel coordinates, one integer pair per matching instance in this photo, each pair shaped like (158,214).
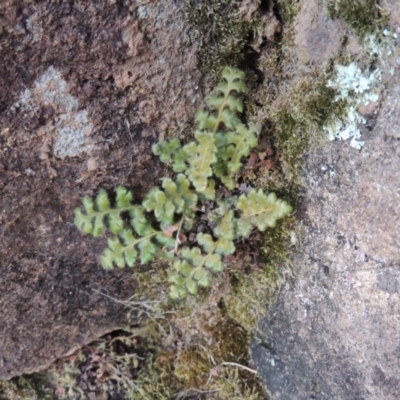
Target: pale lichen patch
(70,126)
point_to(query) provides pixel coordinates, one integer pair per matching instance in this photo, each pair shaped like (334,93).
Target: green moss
(363,16)
(192,367)
(246,303)
(223,30)
(20,388)
(287,10)
(294,124)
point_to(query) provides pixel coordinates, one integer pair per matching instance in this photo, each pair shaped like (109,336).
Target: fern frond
(201,156)
(193,271)
(221,143)
(123,250)
(209,192)
(225,101)
(226,227)
(222,247)
(234,81)
(98,213)
(205,120)
(259,210)
(176,197)
(233,146)
(171,152)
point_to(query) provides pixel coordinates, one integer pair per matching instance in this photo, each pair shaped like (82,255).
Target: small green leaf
(98,226)
(225,247)
(123,197)
(202,276)
(147,251)
(205,120)
(215,100)
(183,267)
(88,205)
(130,256)
(107,260)
(171,153)
(234,80)
(176,278)
(226,227)
(83,222)
(192,255)
(102,201)
(115,245)
(165,241)
(165,150)
(206,242)
(243,228)
(229,118)
(176,198)
(209,192)
(119,260)
(140,223)
(192,286)
(115,222)
(178,292)
(262,210)
(214,263)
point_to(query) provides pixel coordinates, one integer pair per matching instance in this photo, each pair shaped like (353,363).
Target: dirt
(86,88)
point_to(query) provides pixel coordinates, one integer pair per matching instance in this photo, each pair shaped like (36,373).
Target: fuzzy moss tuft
(287,10)
(363,16)
(223,30)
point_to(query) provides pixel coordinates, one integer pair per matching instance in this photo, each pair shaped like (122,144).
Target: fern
(92,220)
(142,233)
(259,210)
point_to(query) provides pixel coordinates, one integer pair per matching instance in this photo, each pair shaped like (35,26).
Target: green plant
(160,226)
(363,16)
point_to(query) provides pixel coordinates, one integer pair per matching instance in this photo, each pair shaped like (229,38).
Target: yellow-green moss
(224,32)
(192,367)
(19,389)
(287,10)
(363,16)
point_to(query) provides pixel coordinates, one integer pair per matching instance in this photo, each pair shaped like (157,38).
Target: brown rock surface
(83,89)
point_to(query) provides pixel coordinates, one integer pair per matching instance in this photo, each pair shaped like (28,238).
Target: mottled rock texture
(84,89)
(334,333)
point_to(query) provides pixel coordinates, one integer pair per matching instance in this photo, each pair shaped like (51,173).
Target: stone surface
(317,38)
(334,333)
(83,91)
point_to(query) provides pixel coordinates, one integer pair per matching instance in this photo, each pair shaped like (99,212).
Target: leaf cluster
(159,227)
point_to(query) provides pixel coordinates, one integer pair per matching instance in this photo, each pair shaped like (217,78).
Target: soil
(83,90)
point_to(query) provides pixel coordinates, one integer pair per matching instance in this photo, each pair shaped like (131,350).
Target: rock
(81,85)
(334,333)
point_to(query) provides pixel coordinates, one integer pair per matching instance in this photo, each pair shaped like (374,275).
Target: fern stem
(203,261)
(221,109)
(133,244)
(114,210)
(178,232)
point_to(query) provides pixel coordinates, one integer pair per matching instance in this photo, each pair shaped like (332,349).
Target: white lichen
(380,45)
(71,126)
(357,88)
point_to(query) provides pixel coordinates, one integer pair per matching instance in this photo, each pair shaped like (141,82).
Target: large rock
(83,89)
(334,333)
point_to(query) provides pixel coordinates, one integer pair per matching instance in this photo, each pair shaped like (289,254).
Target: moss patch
(363,16)
(224,32)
